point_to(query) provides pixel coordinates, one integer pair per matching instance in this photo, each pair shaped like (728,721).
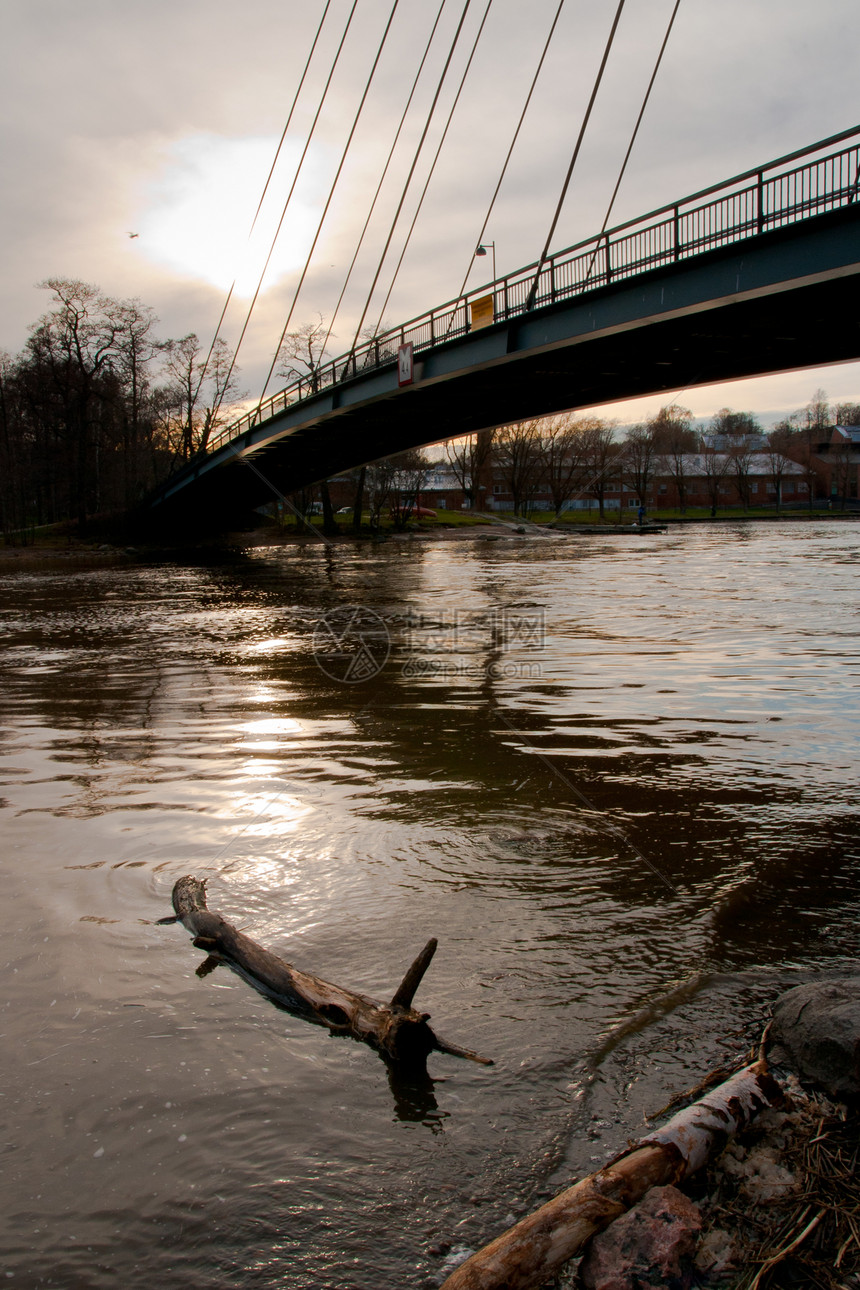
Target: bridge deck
(773,294)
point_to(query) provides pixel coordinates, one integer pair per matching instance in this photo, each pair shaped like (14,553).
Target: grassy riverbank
(59,546)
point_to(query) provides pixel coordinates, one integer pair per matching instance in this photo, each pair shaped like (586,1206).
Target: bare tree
(847,414)
(603,460)
(817,411)
(738,435)
(409,477)
(716,470)
(809,432)
(741,455)
(136,349)
(198,391)
(778,443)
(640,459)
(74,347)
(518,459)
(15,454)
(676,441)
(303,353)
(564,447)
(471,458)
(378,486)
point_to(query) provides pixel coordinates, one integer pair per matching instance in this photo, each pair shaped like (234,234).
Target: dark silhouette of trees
(739,424)
(847,414)
(72,351)
(97,410)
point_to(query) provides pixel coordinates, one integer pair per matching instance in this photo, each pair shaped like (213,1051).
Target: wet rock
(651,1247)
(817,1028)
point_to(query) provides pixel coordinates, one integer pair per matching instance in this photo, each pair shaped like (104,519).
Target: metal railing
(750,204)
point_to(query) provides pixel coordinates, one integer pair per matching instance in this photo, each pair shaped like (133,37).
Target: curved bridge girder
(775,302)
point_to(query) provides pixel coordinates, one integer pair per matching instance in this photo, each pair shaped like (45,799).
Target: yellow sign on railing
(482,312)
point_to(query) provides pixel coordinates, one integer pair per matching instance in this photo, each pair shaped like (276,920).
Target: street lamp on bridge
(482,250)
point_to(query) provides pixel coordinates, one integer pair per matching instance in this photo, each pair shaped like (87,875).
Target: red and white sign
(405,364)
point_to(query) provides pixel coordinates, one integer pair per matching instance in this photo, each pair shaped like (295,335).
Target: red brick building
(839,460)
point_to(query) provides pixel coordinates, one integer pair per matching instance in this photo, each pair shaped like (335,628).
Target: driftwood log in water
(529,1254)
(399,1032)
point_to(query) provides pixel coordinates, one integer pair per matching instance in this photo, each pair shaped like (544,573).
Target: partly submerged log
(399,1032)
(529,1254)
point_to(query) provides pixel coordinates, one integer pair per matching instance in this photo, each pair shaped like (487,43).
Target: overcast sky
(161,118)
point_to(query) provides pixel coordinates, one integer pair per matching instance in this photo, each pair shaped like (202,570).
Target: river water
(616,777)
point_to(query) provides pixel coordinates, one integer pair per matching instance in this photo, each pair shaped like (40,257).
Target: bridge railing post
(855,187)
(760,201)
(676,232)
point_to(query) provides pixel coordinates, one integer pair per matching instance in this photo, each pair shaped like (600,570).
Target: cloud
(158,118)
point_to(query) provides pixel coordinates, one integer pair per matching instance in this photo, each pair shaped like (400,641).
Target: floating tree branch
(396,1029)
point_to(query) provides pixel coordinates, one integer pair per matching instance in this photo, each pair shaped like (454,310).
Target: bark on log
(396,1029)
(529,1254)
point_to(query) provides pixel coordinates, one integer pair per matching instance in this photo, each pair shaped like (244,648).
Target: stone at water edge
(651,1246)
(817,1026)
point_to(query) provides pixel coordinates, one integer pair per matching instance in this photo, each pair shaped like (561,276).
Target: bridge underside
(779,301)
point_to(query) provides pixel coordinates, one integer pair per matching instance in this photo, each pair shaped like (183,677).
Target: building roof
(723,442)
(758,465)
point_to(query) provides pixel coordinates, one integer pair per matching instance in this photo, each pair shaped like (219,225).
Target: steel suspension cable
(545,252)
(633,137)
(382,177)
(513,141)
(411,172)
(433,165)
(329,199)
(264,192)
(288,200)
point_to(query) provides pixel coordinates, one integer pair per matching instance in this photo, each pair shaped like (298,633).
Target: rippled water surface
(616,777)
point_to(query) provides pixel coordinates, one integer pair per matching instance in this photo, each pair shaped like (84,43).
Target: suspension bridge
(757,274)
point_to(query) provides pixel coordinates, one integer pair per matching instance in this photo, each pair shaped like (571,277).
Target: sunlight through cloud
(200,210)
